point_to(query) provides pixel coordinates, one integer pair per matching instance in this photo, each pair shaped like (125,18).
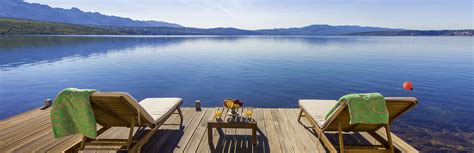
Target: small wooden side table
(228,121)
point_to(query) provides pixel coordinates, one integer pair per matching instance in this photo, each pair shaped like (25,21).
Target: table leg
(209,134)
(254,136)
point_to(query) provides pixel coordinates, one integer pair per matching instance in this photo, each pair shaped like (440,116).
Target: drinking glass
(249,112)
(217,112)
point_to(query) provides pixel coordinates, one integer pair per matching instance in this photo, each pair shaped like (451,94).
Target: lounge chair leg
(324,140)
(130,134)
(341,141)
(389,137)
(181,117)
(319,137)
(300,114)
(139,148)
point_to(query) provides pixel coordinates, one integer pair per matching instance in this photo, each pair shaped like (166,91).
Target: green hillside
(27,27)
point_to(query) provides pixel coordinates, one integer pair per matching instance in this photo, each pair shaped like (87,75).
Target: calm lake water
(261,71)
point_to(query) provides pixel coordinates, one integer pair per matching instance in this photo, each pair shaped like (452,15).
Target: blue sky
(252,14)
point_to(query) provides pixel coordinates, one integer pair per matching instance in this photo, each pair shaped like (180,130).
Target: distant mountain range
(20,18)
(10,26)
(32,11)
(466,32)
(323,30)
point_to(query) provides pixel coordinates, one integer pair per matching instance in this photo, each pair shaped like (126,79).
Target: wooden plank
(21,144)
(24,127)
(397,142)
(70,144)
(67,144)
(262,145)
(204,145)
(23,135)
(300,131)
(279,131)
(286,141)
(34,146)
(315,128)
(190,128)
(199,133)
(22,117)
(306,127)
(172,143)
(48,145)
(153,142)
(112,133)
(275,142)
(365,151)
(169,128)
(290,132)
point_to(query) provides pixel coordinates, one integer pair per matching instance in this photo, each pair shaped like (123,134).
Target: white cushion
(317,109)
(159,107)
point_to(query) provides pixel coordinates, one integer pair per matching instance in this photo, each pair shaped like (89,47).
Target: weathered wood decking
(279,131)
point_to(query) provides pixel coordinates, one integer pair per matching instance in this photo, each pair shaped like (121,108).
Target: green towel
(368,108)
(72,113)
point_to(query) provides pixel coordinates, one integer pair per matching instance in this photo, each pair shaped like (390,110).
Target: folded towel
(368,108)
(72,113)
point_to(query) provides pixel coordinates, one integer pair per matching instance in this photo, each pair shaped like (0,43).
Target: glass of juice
(249,112)
(217,112)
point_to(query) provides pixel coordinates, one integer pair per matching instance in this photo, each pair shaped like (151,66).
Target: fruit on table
(232,103)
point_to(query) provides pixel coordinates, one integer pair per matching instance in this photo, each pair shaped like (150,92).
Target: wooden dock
(278,131)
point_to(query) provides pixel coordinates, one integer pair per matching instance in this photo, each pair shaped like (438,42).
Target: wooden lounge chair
(315,111)
(117,109)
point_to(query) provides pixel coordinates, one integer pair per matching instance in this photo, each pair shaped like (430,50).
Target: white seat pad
(159,107)
(317,108)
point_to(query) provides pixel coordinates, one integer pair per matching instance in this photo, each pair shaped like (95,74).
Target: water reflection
(27,50)
(31,49)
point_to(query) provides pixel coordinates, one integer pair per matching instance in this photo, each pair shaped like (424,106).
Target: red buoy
(407,85)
